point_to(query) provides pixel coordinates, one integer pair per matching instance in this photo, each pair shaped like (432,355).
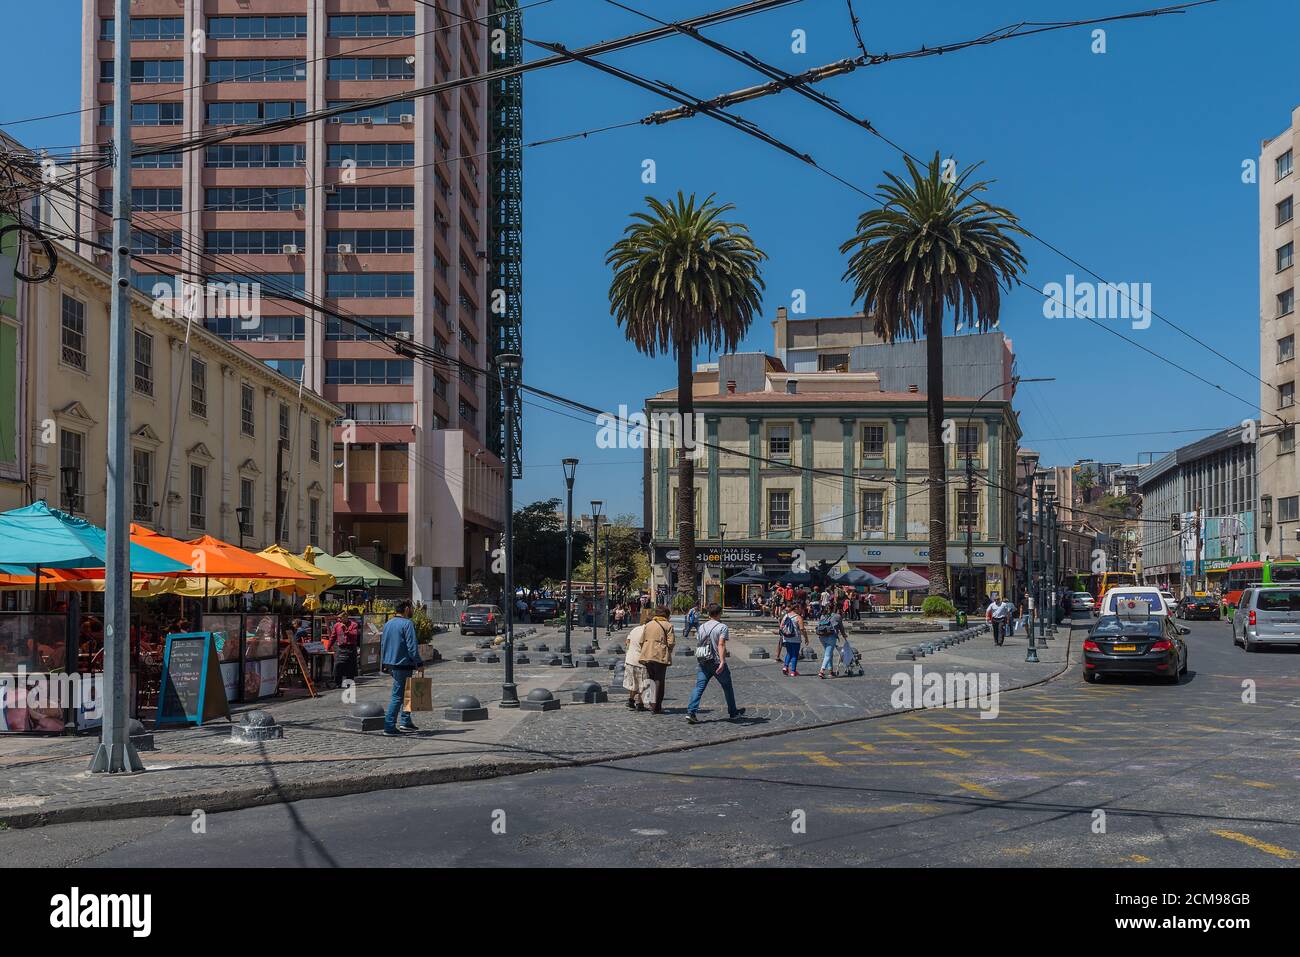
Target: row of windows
(147,114)
(164,199)
(372,25)
(251,112)
(379,413)
(266,28)
(288,156)
(267,329)
(371,198)
(147,71)
(255,198)
(371,240)
(253,241)
(162,242)
(372,68)
(369,371)
(388,113)
(267,70)
(369,285)
(256,156)
(146,28)
(245,113)
(870,517)
(872,445)
(257,28)
(371,155)
(344,331)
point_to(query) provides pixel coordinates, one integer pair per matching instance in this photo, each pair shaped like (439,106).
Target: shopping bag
(419,694)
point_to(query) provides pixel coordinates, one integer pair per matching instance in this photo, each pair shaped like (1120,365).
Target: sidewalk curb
(212,801)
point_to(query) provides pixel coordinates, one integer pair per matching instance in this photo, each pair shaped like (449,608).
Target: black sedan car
(1197,606)
(1146,645)
(543,609)
(480,620)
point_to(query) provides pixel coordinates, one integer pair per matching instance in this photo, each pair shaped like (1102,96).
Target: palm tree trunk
(937,465)
(685,475)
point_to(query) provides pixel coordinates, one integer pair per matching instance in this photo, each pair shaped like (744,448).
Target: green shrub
(683,603)
(937,607)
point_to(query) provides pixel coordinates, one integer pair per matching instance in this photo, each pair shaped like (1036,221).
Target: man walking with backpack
(999,616)
(711,662)
(830,626)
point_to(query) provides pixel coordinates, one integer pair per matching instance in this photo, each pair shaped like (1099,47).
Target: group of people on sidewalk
(847,602)
(828,625)
(650,647)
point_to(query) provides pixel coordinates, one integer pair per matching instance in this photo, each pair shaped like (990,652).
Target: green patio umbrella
(353,571)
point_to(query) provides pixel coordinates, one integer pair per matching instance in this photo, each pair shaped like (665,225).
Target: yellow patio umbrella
(318,579)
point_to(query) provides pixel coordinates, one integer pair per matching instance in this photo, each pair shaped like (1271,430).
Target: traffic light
(1175,522)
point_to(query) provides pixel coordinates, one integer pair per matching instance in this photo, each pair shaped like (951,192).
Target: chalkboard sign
(191,689)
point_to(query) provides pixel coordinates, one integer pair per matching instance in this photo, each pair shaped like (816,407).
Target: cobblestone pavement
(319,756)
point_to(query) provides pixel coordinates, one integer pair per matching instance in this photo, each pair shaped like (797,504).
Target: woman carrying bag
(657,641)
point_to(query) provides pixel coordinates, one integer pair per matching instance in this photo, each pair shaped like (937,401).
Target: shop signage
(732,556)
(191,689)
(920,554)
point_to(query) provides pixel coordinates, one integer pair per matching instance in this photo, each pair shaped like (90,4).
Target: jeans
(702,676)
(400,677)
(999,630)
(828,651)
(791,659)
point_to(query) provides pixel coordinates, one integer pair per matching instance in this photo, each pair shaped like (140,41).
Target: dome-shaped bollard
(466,708)
(539,699)
(589,692)
(364,717)
(586,661)
(256,726)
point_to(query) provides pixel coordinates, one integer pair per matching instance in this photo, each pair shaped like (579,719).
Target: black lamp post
(508,365)
(722,564)
(595,582)
(69,476)
(570,470)
(243,516)
(609,621)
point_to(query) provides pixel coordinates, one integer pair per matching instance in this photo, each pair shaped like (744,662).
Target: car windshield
(1111,625)
(1278,599)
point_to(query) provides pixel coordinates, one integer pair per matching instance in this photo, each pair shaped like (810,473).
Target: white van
(1148,594)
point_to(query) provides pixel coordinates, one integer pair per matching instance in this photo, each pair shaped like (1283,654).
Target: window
(73,332)
(289,368)
(147,114)
(246,421)
(1285,256)
(873,441)
(382,413)
(778,441)
(1286,440)
(389,113)
(199,387)
(371,68)
(257,28)
(873,511)
(371,155)
(256,156)
(1285,210)
(157,161)
(276,70)
(833,362)
(371,240)
(153,242)
(1288,509)
(243,113)
(373,25)
(162,200)
(254,241)
(198,496)
(145,28)
(255,199)
(247,488)
(968,441)
(467,413)
(1282,165)
(72,487)
(1286,348)
(270,329)
(314,439)
(284,424)
(313,521)
(344,331)
(143,363)
(379,285)
(142,485)
(778,510)
(968,509)
(371,198)
(369,371)
(280,281)
(1286,302)
(147,71)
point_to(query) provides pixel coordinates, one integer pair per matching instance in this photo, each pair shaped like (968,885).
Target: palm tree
(933,245)
(685,279)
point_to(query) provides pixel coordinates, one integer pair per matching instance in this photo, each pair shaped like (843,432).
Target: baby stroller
(849,664)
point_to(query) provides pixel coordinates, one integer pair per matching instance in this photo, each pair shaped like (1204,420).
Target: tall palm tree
(932,246)
(685,279)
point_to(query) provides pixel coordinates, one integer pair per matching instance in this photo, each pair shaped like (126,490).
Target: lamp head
(570,470)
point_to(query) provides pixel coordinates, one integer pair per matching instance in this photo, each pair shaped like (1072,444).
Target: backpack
(826,626)
(704,653)
(789,630)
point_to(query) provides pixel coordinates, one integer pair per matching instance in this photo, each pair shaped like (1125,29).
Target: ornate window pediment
(199,452)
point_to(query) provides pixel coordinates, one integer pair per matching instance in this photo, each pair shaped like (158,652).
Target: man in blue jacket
(400,653)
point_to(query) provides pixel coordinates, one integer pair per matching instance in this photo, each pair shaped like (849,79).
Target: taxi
(1133,641)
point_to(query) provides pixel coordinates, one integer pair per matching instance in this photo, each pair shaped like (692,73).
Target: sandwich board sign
(190,690)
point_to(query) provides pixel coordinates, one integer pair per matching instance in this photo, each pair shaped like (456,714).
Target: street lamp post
(969,572)
(595,566)
(242,516)
(1031,655)
(722,564)
(570,470)
(609,622)
(508,365)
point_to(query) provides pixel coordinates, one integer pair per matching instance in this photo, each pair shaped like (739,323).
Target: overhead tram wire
(783,80)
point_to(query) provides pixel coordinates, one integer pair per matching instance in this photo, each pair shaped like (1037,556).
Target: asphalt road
(1122,773)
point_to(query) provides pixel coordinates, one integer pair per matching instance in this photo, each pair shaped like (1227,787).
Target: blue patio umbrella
(37,536)
(855,576)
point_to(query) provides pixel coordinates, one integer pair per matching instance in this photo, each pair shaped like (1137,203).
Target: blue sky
(1130,161)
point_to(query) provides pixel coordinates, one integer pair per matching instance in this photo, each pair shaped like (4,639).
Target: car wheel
(1249,645)
(1185,665)
(1090,677)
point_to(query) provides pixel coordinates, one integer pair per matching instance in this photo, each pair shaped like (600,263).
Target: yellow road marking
(1061,740)
(958,752)
(971,786)
(1139,859)
(1285,853)
(906,808)
(1040,753)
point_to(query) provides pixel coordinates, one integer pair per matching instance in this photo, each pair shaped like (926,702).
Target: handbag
(419,694)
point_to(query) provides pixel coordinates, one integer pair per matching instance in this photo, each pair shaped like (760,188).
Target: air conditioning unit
(336,119)
(330,189)
(407,118)
(299,208)
(345,249)
(403,334)
(367,121)
(289,249)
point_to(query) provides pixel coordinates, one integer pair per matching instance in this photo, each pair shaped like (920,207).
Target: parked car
(1170,601)
(543,609)
(1079,601)
(1267,616)
(1198,605)
(480,620)
(1135,643)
